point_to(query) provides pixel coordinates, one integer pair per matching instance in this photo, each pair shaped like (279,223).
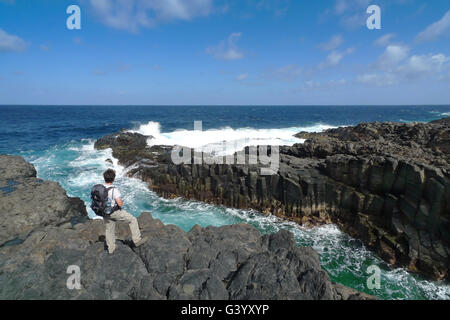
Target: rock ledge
(232,262)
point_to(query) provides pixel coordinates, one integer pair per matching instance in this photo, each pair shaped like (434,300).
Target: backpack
(100,205)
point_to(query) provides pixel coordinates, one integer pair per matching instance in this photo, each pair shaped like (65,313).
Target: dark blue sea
(59,140)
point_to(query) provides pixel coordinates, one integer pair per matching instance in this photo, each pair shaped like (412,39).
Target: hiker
(107,202)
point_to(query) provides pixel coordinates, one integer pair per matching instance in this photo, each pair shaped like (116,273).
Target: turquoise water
(59,142)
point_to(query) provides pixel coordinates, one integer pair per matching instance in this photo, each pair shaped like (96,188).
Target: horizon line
(226,105)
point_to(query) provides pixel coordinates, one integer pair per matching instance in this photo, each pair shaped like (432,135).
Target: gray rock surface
(27,202)
(232,262)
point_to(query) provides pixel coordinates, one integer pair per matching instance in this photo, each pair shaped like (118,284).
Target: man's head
(109,176)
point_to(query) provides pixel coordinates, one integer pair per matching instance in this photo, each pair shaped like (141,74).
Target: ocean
(59,141)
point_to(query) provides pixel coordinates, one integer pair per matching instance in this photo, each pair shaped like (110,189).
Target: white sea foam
(239,138)
(441,114)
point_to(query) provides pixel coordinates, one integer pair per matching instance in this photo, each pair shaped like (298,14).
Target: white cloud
(392,56)
(9,42)
(384,40)
(332,44)
(403,69)
(43,47)
(436,30)
(227,49)
(132,14)
(334,58)
(242,77)
(418,66)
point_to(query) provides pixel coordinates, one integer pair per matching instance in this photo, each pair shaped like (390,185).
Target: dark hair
(109,175)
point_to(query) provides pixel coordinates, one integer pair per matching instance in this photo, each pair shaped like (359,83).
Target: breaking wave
(236,139)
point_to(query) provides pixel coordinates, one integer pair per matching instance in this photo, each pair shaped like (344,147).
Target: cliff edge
(44,233)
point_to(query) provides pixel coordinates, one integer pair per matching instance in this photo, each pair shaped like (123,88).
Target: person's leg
(110,235)
(122,215)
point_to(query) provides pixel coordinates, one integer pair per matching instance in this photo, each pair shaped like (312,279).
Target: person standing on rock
(114,197)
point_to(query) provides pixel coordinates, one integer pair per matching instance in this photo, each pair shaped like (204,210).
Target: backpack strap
(116,207)
(111,188)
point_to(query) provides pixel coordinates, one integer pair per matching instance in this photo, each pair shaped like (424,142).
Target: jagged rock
(132,140)
(12,167)
(427,143)
(380,182)
(231,262)
(27,202)
(128,147)
(238,263)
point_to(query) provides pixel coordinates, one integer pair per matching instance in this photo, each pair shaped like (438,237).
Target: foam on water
(212,139)
(77,166)
(440,114)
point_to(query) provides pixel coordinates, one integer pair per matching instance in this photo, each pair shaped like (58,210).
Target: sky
(225,52)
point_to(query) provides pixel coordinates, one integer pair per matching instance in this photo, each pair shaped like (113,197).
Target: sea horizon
(226,105)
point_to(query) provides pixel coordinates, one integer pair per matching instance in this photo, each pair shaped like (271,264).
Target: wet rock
(131,140)
(358,177)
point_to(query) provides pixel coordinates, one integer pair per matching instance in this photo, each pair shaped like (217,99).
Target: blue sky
(225,52)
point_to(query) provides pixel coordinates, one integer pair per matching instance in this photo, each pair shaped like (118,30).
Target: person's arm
(119,202)
(118,197)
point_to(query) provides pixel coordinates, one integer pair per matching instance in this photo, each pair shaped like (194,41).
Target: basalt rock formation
(387,184)
(27,202)
(233,262)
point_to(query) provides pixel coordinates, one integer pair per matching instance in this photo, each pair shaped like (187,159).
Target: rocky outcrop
(392,186)
(424,143)
(387,184)
(125,145)
(232,262)
(27,202)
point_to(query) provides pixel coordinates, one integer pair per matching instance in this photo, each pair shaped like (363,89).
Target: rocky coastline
(387,184)
(44,232)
